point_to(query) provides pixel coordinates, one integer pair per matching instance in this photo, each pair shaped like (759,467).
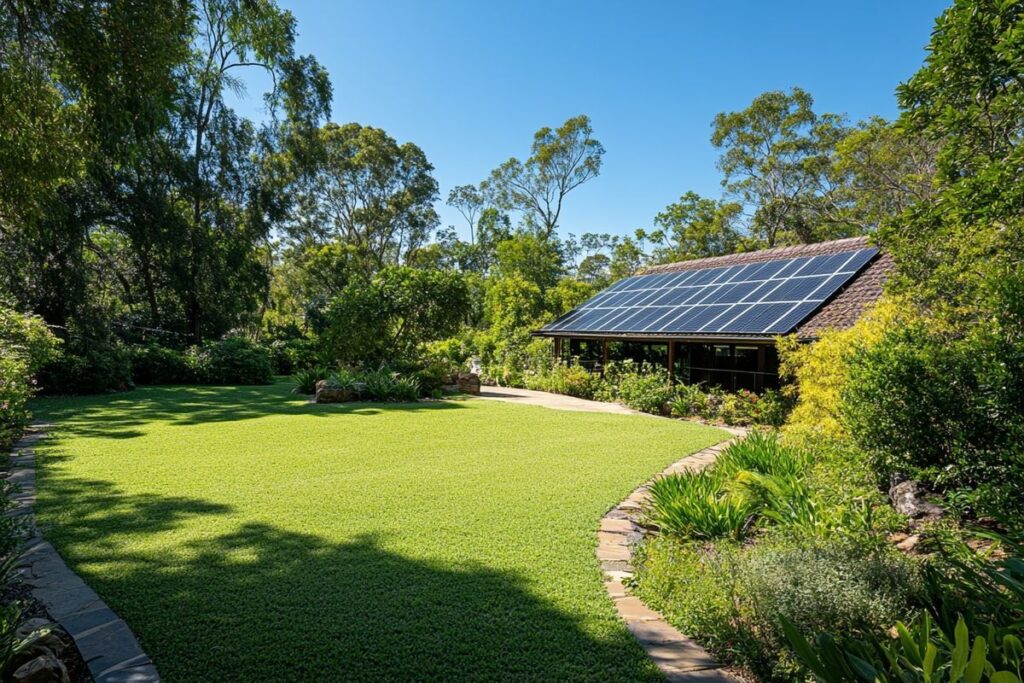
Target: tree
(468,200)
(530,256)
(82,98)
(881,170)
(229,207)
(775,159)
(958,251)
(388,316)
(697,227)
(369,191)
(560,161)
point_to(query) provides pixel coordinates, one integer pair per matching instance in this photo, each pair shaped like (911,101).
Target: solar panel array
(771,297)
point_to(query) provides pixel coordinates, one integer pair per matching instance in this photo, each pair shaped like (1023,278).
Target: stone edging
(679,658)
(104,640)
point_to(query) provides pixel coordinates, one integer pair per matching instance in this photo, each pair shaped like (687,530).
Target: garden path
(555,401)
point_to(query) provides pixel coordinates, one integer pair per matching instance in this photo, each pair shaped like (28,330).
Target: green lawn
(246,534)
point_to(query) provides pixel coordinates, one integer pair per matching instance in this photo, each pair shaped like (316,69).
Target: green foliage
(389,316)
(16,387)
(375,193)
(731,598)
(291,355)
(763,453)
(26,345)
(945,410)
(232,361)
(570,379)
(697,227)
(305,380)
(152,364)
(644,386)
(977,640)
(777,157)
(695,505)
(88,366)
(560,160)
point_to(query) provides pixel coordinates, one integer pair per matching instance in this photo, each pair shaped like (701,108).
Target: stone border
(107,645)
(679,658)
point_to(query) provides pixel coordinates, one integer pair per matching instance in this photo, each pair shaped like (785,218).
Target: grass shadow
(264,603)
(117,416)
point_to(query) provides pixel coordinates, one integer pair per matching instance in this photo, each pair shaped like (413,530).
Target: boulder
(325,393)
(908,497)
(909,544)
(45,668)
(50,639)
(468,382)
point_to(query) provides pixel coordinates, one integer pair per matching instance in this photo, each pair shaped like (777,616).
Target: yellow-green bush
(818,372)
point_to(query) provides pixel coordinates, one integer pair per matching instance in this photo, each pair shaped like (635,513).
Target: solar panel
(758,298)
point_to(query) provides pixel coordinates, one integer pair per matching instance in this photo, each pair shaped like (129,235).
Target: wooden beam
(672,361)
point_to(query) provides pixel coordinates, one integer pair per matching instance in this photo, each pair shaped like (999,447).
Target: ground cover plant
(247,534)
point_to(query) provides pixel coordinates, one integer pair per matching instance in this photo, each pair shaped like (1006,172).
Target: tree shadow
(117,416)
(264,603)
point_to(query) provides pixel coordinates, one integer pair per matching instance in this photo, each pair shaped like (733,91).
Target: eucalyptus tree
(561,160)
(367,190)
(776,157)
(233,196)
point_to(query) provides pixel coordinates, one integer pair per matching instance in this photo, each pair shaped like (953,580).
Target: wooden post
(761,364)
(672,362)
(604,355)
(558,348)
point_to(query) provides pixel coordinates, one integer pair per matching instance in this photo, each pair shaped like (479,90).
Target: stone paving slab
(106,643)
(679,658)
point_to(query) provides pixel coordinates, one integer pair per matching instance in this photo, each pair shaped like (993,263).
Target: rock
(50,640)
(898,537)
(908,497)
(909,544)
(468,382)
(45,668)
(325,393)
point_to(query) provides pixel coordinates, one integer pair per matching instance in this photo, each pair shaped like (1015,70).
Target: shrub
(231,361)
(644,387)
(152,364)
(305,381)
(764,453)
(16,387)
(732,598)
(406,389)
(819,372)
(88,367)
(27,337)
(695,505)
(569,379)
(291,355)
(970,628)
(689,400)
(949,411)
(26,344)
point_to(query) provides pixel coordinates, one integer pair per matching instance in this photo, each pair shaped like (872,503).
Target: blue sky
(469,82)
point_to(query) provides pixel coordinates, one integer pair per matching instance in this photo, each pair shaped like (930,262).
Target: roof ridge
(744,257)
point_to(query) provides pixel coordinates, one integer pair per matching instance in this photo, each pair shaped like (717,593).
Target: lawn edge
(678,657)
(105,641)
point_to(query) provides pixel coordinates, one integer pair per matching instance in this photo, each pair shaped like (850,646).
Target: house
(715,320)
